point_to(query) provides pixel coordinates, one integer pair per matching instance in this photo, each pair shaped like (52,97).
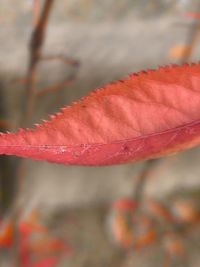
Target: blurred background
(102,41)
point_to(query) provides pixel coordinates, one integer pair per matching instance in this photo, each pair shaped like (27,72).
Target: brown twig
(6,124)
(54,88)
(21,80)
(66,60)
(142,178)
(192,41)
(35,13)
(35,52)
(49,89)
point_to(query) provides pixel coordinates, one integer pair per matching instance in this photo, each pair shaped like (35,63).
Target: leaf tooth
(20,131)
(143,72)
(133,75)
(26,130)
(45,121)
(63,109)
(59,113)
(75,103)
(52,116)
(37,125)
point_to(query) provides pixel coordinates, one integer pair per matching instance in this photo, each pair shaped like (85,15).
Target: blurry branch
(7,164)
(142,178)
(30,98)
(35,13)
(66,60)
(6,124)
(35,53)
(192,38)
(192,41)
(31,95)
(183,52)
(54,88)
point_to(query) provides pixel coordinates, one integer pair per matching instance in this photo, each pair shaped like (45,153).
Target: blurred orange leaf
(124,204)
(145,239)
(47,262)
(159,210)
(173,245)
(192,15)
(6,233)
(122,231)
(185,211)
(179,51)
(47,245)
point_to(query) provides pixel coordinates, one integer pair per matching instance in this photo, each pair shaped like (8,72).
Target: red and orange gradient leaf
(178,51)
(146,115)
(192,15)
(44,246)
(47,262)
(6,233)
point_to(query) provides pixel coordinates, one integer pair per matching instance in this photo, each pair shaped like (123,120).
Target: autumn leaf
(128,228)
(44,245)
(26,227)
(146,238)
(49,245)
(160,211)
(120,221)
(173,245)
(124,205)
(185,211)
(47,262)
(178,51)
(192,15)
(6,233)
(146,115)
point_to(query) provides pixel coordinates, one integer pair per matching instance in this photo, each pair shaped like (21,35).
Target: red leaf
(49,245)
(146,115)
(28,228)
(6,233)
(48,262)
(124,204)
(192,15)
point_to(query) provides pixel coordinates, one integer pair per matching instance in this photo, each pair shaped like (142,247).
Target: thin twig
(192,39)
(35,13)
(66,60)
(6,124)
(147,170)
(166,260)
(54,88)
(35,52)
(21,80)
